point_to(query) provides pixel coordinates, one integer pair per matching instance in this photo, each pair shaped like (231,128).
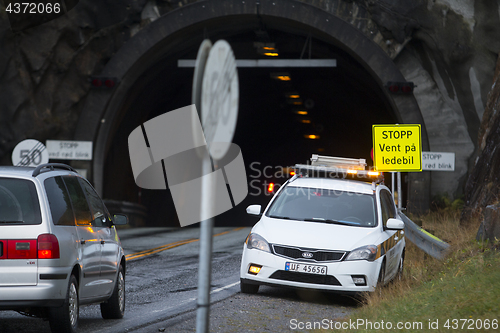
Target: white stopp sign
(438,161)
(30,153)
(219,99)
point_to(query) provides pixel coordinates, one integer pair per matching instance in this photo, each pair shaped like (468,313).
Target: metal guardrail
(424,240)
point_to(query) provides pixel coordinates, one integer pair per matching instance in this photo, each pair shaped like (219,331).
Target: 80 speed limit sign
(30,153)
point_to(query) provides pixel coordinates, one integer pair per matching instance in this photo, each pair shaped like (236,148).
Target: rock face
(490,226)
(447,47)
(450,54)
(483,185)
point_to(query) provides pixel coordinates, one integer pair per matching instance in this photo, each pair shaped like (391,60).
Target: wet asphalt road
(160,286)
(161,290)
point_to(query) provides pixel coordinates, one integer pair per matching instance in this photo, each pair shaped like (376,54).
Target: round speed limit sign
(30,153)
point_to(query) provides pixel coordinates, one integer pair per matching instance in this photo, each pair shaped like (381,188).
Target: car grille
(317,255)
(305,278)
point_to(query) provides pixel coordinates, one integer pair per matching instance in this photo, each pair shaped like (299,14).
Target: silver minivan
(59,248)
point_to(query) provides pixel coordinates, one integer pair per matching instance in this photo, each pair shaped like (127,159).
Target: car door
(108,239)
(391,236)
(89,241)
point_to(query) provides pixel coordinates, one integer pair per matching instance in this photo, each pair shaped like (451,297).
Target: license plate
(305,268)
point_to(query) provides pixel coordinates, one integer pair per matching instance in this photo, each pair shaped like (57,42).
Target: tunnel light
(301,112)
(305,121)
(281,76)
(311,136)
(267,49)
(293,95)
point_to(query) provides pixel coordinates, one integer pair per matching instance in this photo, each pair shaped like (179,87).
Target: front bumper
(339,276)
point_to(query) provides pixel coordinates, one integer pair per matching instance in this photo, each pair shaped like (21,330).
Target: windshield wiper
(280,217)
(321,219)
(11,222)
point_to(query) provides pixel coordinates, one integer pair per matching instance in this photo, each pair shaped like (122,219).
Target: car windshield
(18,202)
(326,206)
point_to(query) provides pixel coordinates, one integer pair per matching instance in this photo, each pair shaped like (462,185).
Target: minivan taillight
(48,247)
(21,249)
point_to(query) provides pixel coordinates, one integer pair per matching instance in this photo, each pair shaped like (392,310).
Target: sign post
(219,111)
(397,148)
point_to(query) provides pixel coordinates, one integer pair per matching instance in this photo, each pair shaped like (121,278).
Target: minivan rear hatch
(20,218)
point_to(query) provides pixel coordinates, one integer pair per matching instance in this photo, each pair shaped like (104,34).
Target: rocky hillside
(483,185)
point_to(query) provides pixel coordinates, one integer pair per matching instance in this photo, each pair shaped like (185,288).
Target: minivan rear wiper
(11,222)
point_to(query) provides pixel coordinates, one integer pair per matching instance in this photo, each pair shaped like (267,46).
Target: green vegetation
(460,293)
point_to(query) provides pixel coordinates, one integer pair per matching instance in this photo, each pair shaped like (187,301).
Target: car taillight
(48,247)
(21,249)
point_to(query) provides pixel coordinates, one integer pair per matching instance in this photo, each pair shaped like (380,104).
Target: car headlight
(255,241)
(368,252)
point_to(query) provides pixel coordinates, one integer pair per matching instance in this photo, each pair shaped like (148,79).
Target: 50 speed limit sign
(30,153)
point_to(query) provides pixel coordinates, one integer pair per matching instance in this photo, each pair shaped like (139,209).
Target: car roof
(15,171)
(333,184)
(27,172)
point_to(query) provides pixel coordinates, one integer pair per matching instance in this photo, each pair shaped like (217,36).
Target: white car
(341,235)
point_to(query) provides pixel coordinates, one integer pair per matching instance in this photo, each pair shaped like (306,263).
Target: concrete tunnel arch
(101,113)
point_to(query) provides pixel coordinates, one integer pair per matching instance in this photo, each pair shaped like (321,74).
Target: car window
(59,202)
(99,212)
(81,208)
(387,206)
(324,205)
(18,202)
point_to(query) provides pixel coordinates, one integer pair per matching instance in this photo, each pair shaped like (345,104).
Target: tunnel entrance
(285,114)
(341,102)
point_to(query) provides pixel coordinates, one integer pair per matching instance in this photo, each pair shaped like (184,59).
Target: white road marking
(225,287)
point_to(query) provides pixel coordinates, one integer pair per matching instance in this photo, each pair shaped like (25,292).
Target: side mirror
(254,209)
(395,224)
(120,219)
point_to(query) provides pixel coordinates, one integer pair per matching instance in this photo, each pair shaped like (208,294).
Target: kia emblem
(307,255)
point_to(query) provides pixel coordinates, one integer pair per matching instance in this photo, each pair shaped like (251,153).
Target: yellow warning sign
(397,147)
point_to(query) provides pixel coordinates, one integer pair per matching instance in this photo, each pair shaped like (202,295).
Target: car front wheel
(248,288)
(114,308)
(65,317)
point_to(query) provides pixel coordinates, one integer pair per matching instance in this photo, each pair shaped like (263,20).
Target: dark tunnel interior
(326,111)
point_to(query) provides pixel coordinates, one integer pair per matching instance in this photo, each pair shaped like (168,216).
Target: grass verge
(460,293)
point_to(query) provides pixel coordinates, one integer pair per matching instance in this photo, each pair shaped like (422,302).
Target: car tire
(247,288)
(65,317)
(114,307)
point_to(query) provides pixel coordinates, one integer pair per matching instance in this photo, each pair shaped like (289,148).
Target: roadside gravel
(271,310)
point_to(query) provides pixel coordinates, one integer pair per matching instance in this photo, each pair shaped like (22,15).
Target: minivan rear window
(18,202)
